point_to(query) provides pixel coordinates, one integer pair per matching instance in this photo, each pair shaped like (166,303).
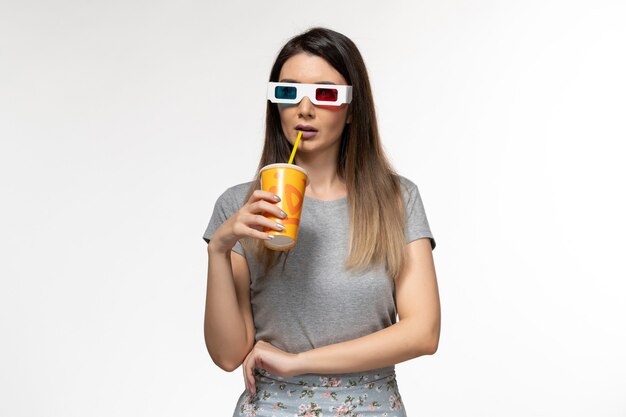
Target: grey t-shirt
(314,301)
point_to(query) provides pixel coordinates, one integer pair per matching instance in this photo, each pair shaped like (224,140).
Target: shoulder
(409,188)
(410,194)
(239,190)
(405,182)
(417,225)
(235,195)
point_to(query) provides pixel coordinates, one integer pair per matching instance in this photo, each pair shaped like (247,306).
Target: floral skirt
(363,394)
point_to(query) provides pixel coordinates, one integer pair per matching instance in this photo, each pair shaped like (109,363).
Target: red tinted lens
(326,94)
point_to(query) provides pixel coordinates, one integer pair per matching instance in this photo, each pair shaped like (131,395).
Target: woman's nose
(306,109)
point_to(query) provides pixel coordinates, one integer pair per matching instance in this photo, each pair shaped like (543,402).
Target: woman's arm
(415,334)
(228,323)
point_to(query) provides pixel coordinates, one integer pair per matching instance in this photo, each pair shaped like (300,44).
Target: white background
(121,122)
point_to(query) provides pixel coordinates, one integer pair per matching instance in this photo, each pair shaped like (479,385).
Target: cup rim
(285,165)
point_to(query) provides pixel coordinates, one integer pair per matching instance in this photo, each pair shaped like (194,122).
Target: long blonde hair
(377,215)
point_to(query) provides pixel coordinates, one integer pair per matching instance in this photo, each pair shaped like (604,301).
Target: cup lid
(289,166)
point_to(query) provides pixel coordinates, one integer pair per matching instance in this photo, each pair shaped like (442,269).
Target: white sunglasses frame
(344,93)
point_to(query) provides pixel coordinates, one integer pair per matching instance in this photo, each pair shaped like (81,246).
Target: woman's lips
(308,134)
(307,131)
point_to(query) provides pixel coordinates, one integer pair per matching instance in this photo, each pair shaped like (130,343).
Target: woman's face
(321,125)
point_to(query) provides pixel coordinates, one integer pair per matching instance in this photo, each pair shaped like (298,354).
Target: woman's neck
(324,182)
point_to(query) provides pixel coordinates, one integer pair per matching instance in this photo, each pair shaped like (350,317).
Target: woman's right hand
(249,221)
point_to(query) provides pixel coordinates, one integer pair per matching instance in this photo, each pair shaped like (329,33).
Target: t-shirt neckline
(337,201)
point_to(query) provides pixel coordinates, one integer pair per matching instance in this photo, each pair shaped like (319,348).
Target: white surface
(122,122)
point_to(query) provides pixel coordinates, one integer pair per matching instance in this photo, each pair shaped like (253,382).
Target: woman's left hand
(275,361)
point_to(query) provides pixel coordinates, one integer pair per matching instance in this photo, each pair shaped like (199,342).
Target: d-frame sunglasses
(321,94)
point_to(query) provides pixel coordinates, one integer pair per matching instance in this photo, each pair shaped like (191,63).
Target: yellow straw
(295,147)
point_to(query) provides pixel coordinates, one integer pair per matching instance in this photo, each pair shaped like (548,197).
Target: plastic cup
(289,183)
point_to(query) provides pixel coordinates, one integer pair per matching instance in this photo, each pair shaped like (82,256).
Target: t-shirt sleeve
(417,226)
(225,206)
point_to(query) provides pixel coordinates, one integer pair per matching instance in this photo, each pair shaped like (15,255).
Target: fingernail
(277,198)
(282,213)
(280,226)
(270,236)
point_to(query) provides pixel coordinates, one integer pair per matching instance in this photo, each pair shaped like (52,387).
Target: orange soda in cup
(289,182)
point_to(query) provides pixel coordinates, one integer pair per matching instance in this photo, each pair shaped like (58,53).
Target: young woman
(314,328)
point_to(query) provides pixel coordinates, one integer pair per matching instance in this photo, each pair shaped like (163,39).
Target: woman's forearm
(402,341)
(224,327)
